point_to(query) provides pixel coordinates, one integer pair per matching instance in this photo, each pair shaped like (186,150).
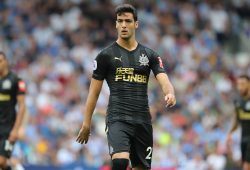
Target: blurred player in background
(12,93)
(126,66)
(242,117)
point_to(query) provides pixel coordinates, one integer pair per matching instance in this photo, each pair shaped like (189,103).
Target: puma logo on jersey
(116,58)
(247,106)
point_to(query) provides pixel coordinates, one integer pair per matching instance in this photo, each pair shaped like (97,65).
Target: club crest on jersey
(94,65)
(6,84)
(247,106)
(143,60)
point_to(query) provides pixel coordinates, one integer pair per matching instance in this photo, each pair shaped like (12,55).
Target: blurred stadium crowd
(204,44)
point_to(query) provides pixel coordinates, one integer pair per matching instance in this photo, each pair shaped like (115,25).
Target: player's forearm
(167,88)
(20,117)
(166,85)
(94,91)
(234,126)
(89,108)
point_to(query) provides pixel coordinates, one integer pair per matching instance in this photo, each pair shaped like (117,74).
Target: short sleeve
(100,66)
(156,64)
(21,86)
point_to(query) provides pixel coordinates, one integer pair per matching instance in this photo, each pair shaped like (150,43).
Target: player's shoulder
(13,76)
(148,50)
(108,49)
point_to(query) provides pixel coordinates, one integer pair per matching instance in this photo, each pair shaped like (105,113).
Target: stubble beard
(245,93)
(127,38)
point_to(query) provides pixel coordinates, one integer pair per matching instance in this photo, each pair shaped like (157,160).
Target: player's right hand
(83,135)
(13,136)
(170,100)
(229,140)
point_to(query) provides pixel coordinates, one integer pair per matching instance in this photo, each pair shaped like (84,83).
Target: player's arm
(234,124)
(167,89)
(232,129)
(19,119)
(94,91)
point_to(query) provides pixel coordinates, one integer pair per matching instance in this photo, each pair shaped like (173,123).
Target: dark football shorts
(5,148)
(137,139)
(245,151)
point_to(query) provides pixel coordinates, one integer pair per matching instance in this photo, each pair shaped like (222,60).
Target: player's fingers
(169,105)
(167,98)
(85,141)
(171,102)
(80,139)
(87,138)
(168,101)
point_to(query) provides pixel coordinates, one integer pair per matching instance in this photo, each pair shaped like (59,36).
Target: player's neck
(130,44)
(247,95)
(4,73)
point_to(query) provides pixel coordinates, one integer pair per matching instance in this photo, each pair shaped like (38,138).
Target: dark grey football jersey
(10,87)
(243,113)
(127,74)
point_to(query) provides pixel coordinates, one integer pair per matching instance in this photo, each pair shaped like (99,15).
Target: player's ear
(136,24)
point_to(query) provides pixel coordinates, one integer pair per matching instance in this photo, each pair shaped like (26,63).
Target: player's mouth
(124,31)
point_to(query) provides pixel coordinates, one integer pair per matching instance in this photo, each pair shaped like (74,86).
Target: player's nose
(123,24)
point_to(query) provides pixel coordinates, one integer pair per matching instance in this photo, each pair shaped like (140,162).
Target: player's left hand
(13,136)
(83,135)
(170,100)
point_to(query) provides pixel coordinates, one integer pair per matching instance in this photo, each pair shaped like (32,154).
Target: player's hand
(170,100)
(13,136)
(83,135)
(229,140)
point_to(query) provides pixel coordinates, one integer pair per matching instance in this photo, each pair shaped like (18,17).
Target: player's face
(126,25)
(242,86)
(3,63)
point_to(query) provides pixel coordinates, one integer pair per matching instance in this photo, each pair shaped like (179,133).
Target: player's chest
(244,110)
(138,62)
(6,85)
(246,106)
(6,90)
(130,68)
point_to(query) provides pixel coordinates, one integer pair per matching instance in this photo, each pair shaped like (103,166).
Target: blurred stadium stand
(51,44)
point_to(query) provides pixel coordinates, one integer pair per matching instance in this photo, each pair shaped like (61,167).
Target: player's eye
(128,21)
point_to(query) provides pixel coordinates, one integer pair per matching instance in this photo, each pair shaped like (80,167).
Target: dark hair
(3,54)
(244,76)
(126,8)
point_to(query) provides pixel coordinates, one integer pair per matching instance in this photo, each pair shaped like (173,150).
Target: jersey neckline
(138,44)
(4,77)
